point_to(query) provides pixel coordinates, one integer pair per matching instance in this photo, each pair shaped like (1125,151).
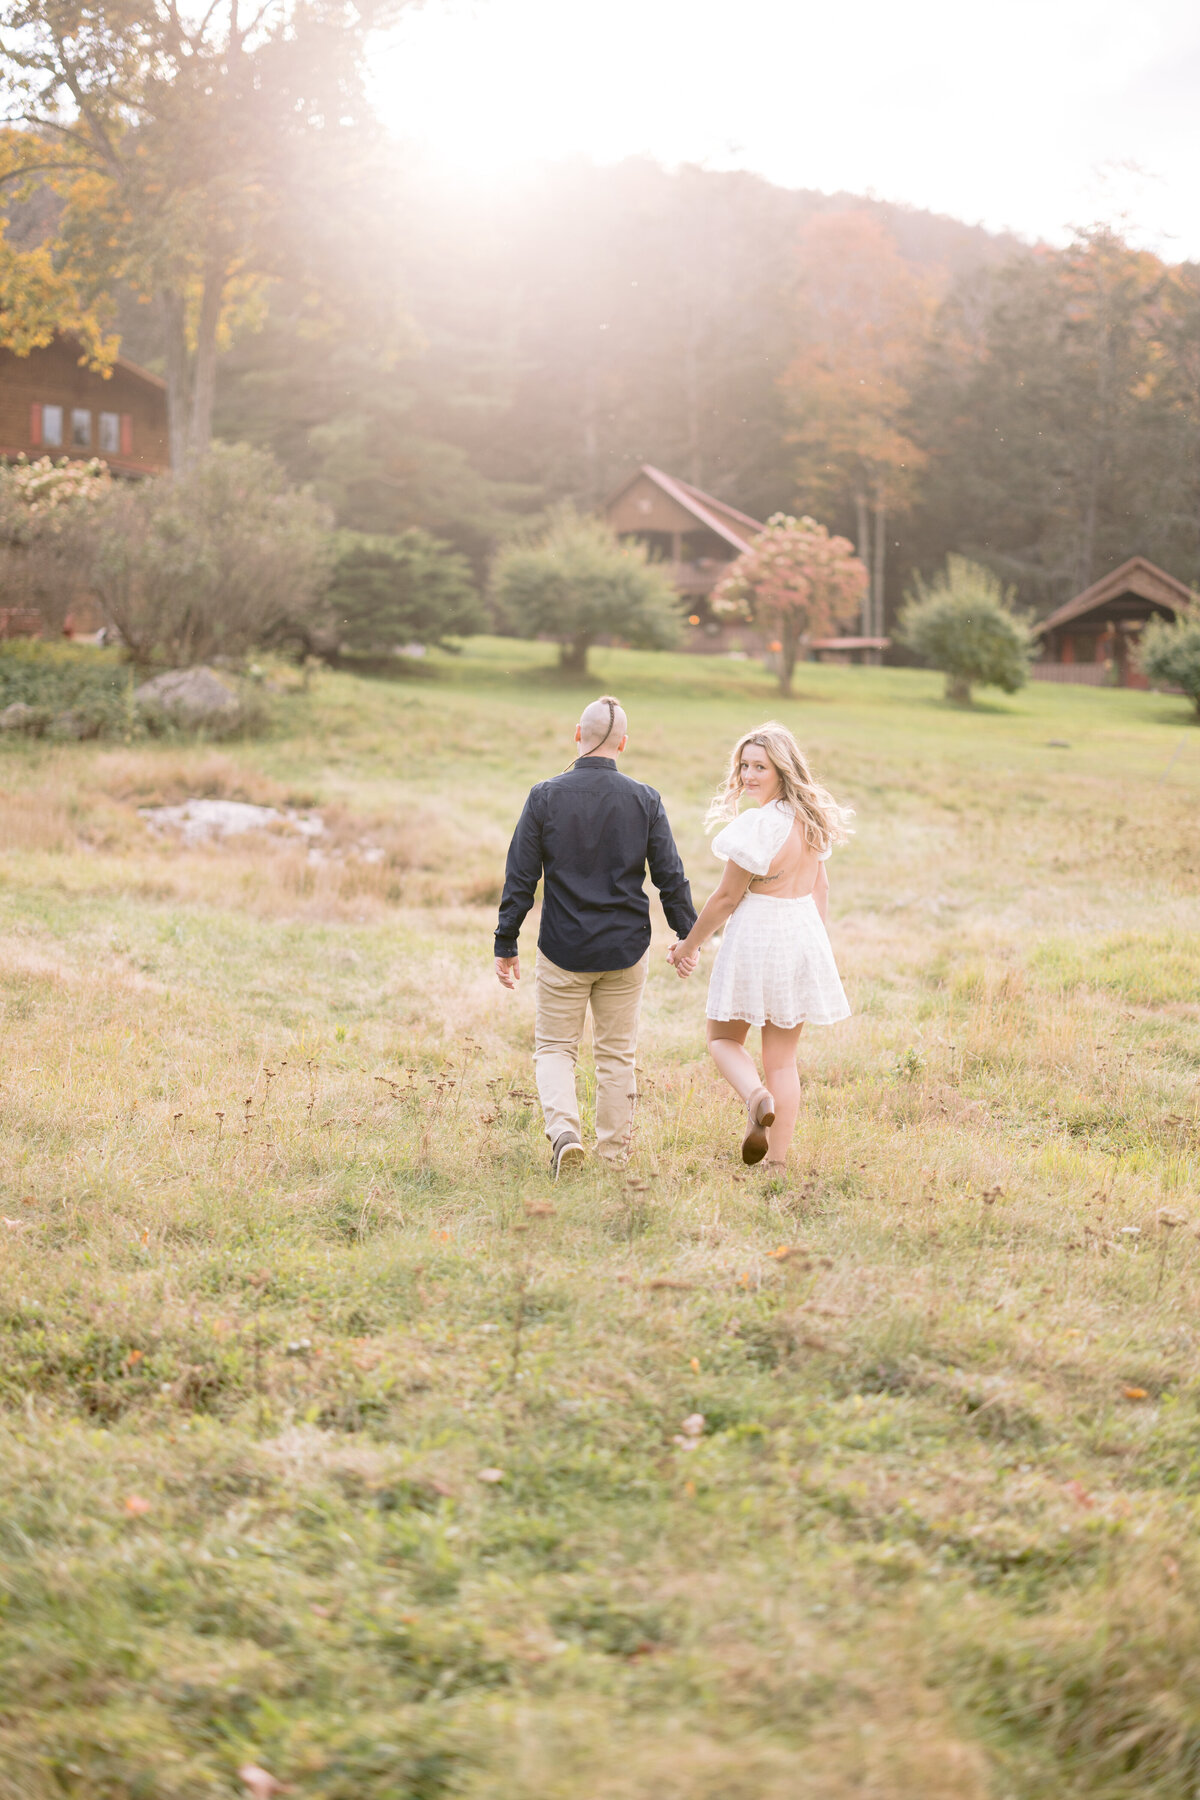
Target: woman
(775,967)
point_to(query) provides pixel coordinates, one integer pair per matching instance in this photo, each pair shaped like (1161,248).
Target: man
(590,833)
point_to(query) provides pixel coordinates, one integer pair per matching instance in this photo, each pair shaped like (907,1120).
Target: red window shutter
(126,434)
(35,422)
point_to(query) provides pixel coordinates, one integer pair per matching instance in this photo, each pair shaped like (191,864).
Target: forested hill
(565,330)
(917,382)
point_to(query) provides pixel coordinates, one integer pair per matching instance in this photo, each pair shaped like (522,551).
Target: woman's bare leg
(727,1047)
(781,1075)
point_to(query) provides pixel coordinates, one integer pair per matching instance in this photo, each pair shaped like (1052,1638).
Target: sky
(1033,116)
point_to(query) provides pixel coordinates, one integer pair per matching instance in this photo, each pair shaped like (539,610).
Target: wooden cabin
(1092,639)
(51,405)
(697,536)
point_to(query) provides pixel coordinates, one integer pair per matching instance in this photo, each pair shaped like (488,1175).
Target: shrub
(1169,655)
(389,591)
(218,560)
(962,623)
(74,690)
(48,514)
(576,583)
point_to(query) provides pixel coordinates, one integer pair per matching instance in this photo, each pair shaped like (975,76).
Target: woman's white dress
(775,964)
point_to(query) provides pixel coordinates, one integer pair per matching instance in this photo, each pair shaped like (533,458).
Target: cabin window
(81,429)
(52,424)
(109,438)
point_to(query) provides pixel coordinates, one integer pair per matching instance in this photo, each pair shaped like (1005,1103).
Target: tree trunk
(864,557)
(573,656)
(787,656)
(880,526)
(958,688)
(204,384)
(179,394)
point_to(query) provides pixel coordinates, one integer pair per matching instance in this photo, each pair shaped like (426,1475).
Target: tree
(387,591)
(576,583)
(1053,420)
(797,582)
(190,154)
(217,561)
(1169,655)
(862,319)
(962,623)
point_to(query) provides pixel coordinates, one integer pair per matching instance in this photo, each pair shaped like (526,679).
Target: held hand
(684,965)
(508,968)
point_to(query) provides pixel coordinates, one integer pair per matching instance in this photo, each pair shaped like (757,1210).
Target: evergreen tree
(390,591)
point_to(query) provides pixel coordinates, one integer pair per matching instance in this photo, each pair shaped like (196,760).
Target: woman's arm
(821,892)
(728,894)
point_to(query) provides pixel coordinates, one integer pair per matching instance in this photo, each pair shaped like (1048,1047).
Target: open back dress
(775,964)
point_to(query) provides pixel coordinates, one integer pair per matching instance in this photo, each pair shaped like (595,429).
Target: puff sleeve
(753,840)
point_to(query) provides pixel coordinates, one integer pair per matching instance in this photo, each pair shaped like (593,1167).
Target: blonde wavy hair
(823,821)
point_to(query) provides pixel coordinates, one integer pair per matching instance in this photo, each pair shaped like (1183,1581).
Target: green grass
(282,1279)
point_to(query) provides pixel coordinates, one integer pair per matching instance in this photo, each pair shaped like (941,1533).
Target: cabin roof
(1137,576)
(737,528)
(119,362)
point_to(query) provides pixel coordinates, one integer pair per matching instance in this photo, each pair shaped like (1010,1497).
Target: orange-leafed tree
(797,582)
(862,320)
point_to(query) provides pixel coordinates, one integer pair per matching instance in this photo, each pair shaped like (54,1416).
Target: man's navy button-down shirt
(592,832)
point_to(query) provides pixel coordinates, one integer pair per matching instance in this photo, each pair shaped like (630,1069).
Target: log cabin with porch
(698,536)
(1092,640)
(51,404)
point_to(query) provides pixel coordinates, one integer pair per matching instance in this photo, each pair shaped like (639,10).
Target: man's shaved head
(603,723)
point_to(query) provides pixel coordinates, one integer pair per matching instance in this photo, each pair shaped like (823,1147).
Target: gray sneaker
(567,1157)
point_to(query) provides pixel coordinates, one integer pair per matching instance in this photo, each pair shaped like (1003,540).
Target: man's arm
(522,872)
(666,872)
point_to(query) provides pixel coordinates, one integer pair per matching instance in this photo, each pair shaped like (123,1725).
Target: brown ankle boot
(760,1109)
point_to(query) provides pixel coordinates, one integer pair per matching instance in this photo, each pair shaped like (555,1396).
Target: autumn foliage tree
(797,582)
(862,318)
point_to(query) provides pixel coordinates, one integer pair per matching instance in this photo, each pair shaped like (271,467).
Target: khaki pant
(562,997)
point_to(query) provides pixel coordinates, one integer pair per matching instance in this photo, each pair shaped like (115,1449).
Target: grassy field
(335,1441)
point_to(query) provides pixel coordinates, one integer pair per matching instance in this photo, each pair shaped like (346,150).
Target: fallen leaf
(491,1475)
(135,1506)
